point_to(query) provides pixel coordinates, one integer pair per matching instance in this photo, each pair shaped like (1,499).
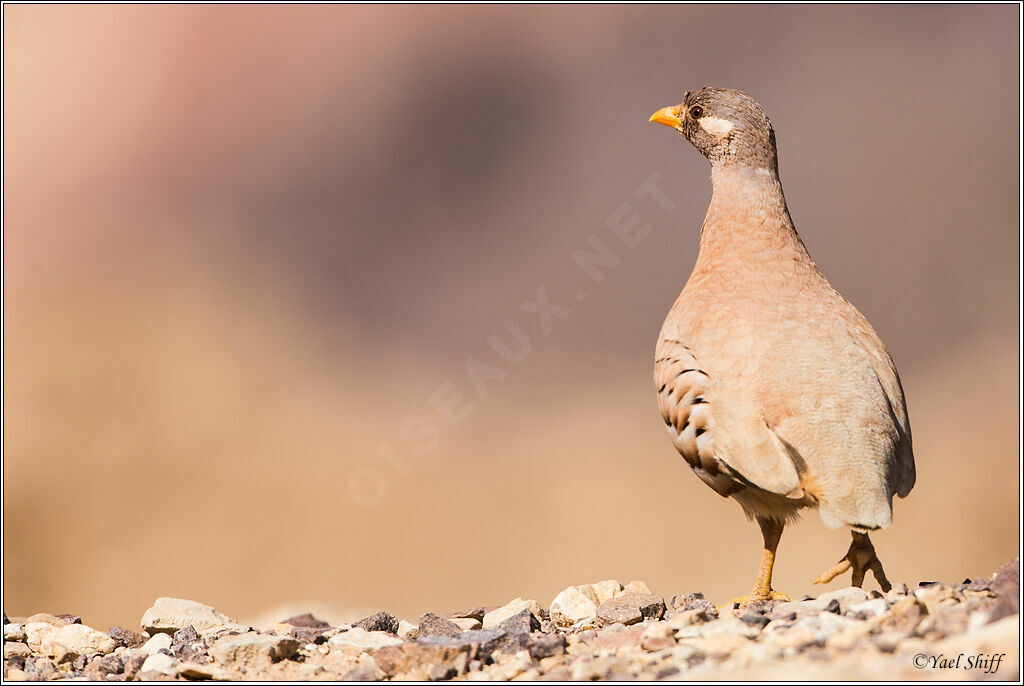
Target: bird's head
(726,126)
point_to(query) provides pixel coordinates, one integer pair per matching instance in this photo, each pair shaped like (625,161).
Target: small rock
(361,673)
(869,608)
(510,669)
(523,622)
(689,601)
(658,636)
(573,605)
(408,630)
(1006,586)
(603,591)
(728,625)
(126,638)
(171,614)
(476,613)
(637,587)
(899,588)
(542,646)
(253,648)
(904,616)
(41,669)
(132,665)
(517,630)
(68,641)
(185,635)
(100,667)
(467,623)
(157,643)
(44,618)
(844,597)
(14,632)
(417,659)
(161,663)
(631,608)
(382,621)
(756,619)
(614,638)
(69,618)
(16,649)
(481,642)
(432,625)
(195,670)
(495,617)
(358,640)
(193,651)
(306,620)
(678,619)
(304,635)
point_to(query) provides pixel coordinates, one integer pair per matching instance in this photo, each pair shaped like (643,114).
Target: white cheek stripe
(716,126)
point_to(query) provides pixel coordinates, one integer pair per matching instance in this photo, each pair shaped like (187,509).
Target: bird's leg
(772,532)
(860,557)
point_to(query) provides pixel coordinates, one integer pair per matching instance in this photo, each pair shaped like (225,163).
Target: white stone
(873,607)
(14,632)
(253,647)
(195,670)
(160,662)
(170,614)
(605,590)
(68,641)
(825,625)
(513,607)
(156,644)
(357,640)
(851,595)
(408,630)
(572,605)
(637,587)
(466,623)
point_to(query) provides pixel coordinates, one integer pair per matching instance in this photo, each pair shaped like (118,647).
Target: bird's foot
(757,596)
(860,558)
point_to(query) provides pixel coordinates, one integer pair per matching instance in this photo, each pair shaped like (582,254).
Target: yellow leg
(771,530)
(860,557)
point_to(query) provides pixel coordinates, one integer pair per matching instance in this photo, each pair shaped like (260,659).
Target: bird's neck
(748,216)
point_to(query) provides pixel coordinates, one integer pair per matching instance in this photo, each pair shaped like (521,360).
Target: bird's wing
(726,448)
(903,473)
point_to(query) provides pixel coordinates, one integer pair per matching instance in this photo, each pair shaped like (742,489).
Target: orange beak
(669,116)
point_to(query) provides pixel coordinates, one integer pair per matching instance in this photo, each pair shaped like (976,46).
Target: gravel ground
(595,631)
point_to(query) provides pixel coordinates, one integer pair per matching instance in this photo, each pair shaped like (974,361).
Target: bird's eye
(696,111)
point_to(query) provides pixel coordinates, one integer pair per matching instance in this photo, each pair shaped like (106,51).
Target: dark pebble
(306,620)
(432,625)
(757,619)
(382,621)
(545,645)
(126,638)
(185,635)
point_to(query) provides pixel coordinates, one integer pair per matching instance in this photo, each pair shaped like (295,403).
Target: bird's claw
(757,596)
(860,558)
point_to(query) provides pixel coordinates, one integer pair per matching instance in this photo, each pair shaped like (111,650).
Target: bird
(775,389)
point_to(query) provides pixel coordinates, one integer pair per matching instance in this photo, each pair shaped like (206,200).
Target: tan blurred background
(244,245)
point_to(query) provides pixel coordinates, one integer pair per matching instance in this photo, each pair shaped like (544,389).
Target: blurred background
(254,255)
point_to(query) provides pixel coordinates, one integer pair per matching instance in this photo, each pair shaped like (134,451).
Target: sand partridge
(774,388)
